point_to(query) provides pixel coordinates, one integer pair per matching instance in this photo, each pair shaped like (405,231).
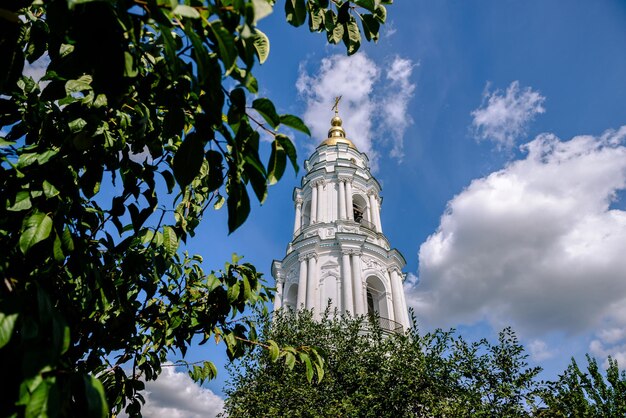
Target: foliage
(140,124)
(578,394)
(375,374)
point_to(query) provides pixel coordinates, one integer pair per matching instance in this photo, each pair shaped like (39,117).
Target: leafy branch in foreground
(140,123)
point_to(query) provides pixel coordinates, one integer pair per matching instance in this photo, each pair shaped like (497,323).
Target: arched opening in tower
(291,297)
(306,214)
(377,298)
(359,209)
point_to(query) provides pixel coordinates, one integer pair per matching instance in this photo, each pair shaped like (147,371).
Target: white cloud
(176,395)
(535,245)
(504,117)
(539,350)
(602,349)
(373,108)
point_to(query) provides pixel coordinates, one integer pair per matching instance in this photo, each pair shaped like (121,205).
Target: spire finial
(336,105)
(336,134)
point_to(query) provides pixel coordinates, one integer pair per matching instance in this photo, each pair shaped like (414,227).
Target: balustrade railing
(368,225)
(386,325)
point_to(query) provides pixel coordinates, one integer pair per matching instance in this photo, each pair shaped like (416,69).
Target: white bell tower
(338,254)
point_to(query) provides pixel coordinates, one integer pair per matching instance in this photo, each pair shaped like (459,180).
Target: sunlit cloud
(537,245)
(503,117)
(175,395)
(374,104)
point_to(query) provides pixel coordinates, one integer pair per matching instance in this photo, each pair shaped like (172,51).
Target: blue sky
(494,129)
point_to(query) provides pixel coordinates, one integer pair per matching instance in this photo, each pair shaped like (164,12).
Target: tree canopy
(371,373)
(140,125)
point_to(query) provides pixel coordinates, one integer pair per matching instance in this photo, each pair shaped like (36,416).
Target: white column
(377,205)
(278,299)
(396,292)
(302,283)
(321,201)
(313,203)
(357,282)
(342,199)
(311,281)
(349,203)
(405,311)
(374,211)
(298,222)
(347,293)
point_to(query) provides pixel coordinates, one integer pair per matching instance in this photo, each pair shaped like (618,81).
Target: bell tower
(338,254)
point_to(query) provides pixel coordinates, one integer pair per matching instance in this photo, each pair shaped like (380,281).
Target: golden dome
(336,134)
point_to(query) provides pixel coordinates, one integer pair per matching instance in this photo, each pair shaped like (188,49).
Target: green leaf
(36,228)
(225,45)
(7,323)
(290,360)
(57,249)
(100,101)
(81,84)
(170,240)
(37,404)
(266,109)
(257,176)
(186,11)
(320,372)
(366,4)
(307,363)
(295,123)
(381,13)
(336,35)
(290,149)
(261,44)
(219,202)
(170,182)
(352,37)
(295,11)
(77,125)
(274,350)
(22,201)
(49,190)
(66,239)
(371,27)
(96,400)
(277,163)
(130,69)
(238,204)
(188,160)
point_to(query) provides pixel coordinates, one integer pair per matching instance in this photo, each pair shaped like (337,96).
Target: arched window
(306,214)
(291,297)
(359,208)
(377,297)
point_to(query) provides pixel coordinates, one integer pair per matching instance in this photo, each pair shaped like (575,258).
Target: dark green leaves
(289,149)
(7,323)
(96,400)
(266,108)
(352,36)
(295,123)
(225,45)
(238,204)
(277,163)
(36,228)
(188,160)
(130,93)
(295,11)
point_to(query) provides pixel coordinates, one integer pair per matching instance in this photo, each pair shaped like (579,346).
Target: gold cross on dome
(336,105)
